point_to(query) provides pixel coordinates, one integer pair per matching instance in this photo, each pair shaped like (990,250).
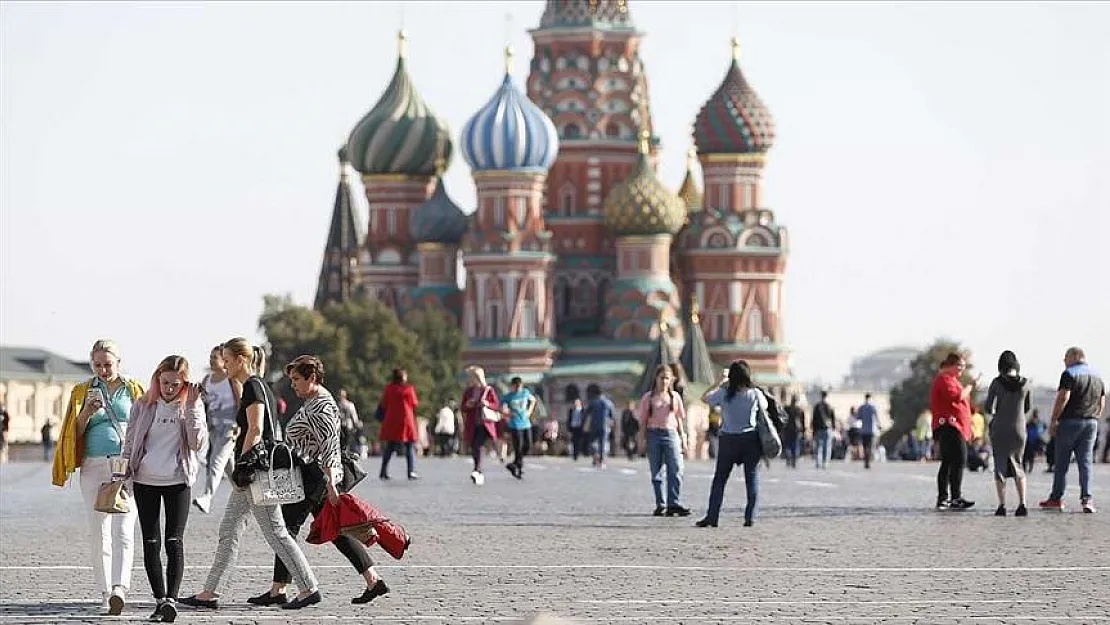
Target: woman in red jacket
(948,400)
(478,399)
(399,426)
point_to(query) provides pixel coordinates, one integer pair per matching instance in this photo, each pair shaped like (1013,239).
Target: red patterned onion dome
(734,120)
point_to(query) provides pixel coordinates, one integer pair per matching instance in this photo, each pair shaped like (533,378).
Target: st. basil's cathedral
(581,265)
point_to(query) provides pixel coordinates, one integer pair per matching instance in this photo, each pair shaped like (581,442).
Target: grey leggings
(236,516)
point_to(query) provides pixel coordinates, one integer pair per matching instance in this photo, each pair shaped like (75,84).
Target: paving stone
(569,544)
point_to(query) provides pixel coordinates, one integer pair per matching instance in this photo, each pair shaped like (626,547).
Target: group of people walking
(127,438)
(122,437)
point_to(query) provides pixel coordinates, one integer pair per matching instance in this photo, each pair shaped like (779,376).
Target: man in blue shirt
(518,405)
(868,417)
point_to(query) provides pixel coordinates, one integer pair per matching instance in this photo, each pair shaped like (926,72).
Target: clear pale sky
(944,168)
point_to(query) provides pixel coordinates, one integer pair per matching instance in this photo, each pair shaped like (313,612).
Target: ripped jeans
(149,501)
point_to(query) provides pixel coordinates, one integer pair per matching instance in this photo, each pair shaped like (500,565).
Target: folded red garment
(355,517)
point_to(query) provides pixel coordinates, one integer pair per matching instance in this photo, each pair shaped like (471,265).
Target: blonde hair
(241,347)
(108,346)
(478,373)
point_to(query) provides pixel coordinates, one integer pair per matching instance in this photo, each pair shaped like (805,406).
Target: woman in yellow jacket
(92,439)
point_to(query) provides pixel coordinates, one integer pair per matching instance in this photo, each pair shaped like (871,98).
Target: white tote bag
(273,487)
(489,414)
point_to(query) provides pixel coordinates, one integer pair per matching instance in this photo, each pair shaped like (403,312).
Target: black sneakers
(677,511)
(960,504)
(1021,511)
(1001,511)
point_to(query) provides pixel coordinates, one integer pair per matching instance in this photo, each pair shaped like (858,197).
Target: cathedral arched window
(717,240)
(583,299)
(572,131)
(613,131)
(602,294)
(566,198)
(756,240)
(755,325)
(528,320)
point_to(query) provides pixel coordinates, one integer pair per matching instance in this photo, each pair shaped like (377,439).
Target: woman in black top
(245,364)
(314,433)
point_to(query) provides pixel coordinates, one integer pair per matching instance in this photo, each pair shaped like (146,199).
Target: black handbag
(352,472)
(260,456)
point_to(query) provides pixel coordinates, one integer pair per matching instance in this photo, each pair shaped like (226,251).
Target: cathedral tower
(586,74)
(396,147)
(339,273)
(507,313)
(733,251)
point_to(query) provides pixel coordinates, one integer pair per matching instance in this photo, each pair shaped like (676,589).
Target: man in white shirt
(445,429)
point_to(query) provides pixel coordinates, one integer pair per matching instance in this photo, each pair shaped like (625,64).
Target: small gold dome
(641,204)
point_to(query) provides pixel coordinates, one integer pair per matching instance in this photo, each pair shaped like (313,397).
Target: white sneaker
(477,478)
(116,601)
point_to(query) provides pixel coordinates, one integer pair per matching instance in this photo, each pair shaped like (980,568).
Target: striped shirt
(314,431)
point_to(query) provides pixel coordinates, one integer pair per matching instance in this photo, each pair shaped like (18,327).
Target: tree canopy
(911,398)
(361,342)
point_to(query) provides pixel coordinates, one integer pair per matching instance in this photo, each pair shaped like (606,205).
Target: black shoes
(942,504)
(267,599)
(659,511)
(1001,511)
(383,477)
(297,604)
(168,611)
(192,601)
(960,504)
(375,591)
(1021,511)
(748,523)
(677,511)
(705,523)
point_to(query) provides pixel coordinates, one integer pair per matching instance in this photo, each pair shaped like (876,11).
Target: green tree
(910,398)
(443,342)
(361,342)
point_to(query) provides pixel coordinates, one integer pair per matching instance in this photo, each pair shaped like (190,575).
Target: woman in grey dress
(1008,402)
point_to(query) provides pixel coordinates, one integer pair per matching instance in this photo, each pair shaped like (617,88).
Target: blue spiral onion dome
(401,134)
(641,204)
(439,220)
(510,133)
(734,120)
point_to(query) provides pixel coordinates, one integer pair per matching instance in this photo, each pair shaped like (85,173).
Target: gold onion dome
(689,191)
(641,204)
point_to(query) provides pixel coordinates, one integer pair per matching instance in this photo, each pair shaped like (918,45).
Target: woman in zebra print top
(313,434)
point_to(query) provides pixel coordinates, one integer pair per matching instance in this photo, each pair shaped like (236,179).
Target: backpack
(775,411)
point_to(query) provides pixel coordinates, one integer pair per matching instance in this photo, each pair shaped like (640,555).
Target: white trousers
(112,536)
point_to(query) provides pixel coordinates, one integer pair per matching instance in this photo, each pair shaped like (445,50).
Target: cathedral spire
(338,278)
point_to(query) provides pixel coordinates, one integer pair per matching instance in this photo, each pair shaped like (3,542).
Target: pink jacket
(194,433)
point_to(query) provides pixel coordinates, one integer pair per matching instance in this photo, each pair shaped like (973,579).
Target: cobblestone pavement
(838,546)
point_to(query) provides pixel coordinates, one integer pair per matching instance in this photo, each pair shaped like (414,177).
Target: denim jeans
(391,447)
(736,449)
(1074,436)
(663,452)
(822,447)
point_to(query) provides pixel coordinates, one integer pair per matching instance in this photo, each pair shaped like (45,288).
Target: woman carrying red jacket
(476,429)
(948,400)
(398,430)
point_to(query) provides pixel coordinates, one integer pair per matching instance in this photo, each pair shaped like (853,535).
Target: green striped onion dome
(401,134)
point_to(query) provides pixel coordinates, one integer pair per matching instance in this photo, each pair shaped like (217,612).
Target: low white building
(34,387)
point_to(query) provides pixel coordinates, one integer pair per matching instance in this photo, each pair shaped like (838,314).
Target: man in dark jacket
(822,425)
(792,433)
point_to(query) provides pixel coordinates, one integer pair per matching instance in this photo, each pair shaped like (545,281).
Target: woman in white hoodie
(167,429)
